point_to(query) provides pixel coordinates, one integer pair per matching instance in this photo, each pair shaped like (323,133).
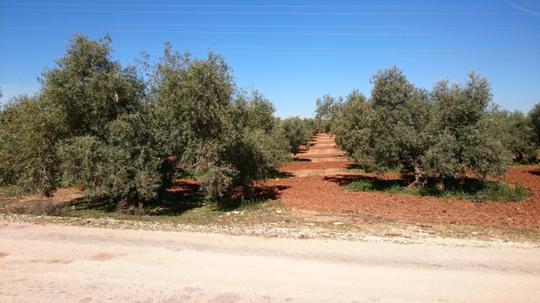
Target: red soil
(326,194)
(298,165)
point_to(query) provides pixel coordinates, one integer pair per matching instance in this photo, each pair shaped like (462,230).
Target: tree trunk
(417,176)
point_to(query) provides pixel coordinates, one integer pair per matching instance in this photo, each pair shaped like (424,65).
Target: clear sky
(293,51)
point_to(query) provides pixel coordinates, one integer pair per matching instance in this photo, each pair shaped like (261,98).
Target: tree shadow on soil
(377,183)
(256,195)
(301,160)
(535,172)
(183,196)
(276,174)
(468,188)
(364,167)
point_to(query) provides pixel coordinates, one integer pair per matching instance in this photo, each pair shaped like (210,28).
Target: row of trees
(121,133)
(442,134)
(104,127)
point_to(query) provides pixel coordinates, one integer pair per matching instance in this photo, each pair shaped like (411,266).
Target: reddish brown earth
(317,184)
(324,193)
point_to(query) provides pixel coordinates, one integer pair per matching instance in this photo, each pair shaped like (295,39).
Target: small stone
(338,223)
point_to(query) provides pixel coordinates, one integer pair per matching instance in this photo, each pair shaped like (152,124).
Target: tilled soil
(316,181)
(323,193)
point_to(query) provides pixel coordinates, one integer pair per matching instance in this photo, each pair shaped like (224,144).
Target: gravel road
(55,263)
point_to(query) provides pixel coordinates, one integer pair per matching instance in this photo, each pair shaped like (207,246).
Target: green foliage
(88,89)
(445,133)
(466,135)
(374,185)
(518,136)
(253,112)
(297,132)
(124,167)
(464,190)
(221,138)
(99,126)
(327,110)
(29,131)
(534,117)
(351,126)
(399,124)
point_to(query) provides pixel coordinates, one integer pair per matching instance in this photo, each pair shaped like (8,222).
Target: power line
(361,13)
(303,50)
(268,33)
(271,25)
(309,6)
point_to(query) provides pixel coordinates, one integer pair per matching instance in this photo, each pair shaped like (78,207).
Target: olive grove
(103,127)
(439,135)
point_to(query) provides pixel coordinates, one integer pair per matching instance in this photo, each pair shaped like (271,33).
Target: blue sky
(293,51)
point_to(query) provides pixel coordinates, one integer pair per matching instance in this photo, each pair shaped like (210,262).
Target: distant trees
(517,135)
(534,118)
(350,126)
(297,132)
(327,110)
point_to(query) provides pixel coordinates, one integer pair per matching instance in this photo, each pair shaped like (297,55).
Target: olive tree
(125,167)
(106,147)
(534,117)
(29,131)
(81,129)
(466,137)
(351,127)
(398,133)
(215,134)
(297,133)
(442,134)
(259,145)
(327,112)
(517,135)
(89,89)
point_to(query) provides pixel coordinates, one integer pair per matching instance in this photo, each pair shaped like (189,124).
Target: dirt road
(50,263)
(323,158)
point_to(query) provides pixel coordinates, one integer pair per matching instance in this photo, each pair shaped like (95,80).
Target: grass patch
(186,211)
(362,168)
(464,190)
(393,186)
(11,191)
(205,214)
(38,208)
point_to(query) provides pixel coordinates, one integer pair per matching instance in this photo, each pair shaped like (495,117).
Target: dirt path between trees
(320,174)
(322,158)
(52,263)
(317,181)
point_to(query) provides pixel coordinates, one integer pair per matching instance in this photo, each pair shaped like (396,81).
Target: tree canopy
(101,126)
(444,133)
